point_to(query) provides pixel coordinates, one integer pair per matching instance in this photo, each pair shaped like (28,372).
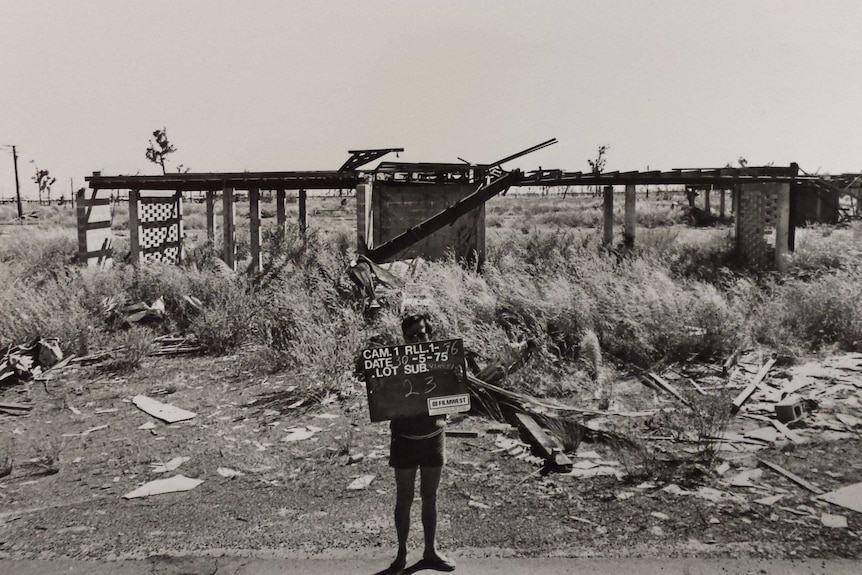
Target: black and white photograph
(489,287)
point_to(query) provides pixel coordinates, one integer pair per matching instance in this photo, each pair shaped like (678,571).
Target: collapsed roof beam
(359,158)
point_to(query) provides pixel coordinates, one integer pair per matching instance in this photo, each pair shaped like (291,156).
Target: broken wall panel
(388,209)
(95,240)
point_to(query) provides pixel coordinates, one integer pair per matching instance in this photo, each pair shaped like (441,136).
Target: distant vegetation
(676,297)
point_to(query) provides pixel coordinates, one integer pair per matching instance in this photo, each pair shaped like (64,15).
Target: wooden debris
(791,476)
(173,484)
(15,408)
(661,384)
(361,482)
(769,501)
(755,383)
(730,362)
(86,432)
(849,497)
(780,427)
(162,411)
(169,466)
(549,447)
(461,433)
(228,473)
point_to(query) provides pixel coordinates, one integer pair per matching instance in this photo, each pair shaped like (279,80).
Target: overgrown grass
(677,295)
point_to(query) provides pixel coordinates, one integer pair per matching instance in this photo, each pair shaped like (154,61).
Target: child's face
(416,332)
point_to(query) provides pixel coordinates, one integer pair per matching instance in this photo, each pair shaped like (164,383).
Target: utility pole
(17,185)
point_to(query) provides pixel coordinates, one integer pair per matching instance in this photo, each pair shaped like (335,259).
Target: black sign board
(424,378)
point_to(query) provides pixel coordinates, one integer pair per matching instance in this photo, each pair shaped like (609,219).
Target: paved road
(466,566)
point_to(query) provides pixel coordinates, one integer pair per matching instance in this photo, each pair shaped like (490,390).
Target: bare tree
(158,151)
(597,166)
(44,180)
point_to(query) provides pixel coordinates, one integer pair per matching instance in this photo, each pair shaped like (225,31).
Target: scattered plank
(755,383)
(162,411)
(661,384)
(16,406)
(783,429)
(173,484)
(548,446)
(792,477)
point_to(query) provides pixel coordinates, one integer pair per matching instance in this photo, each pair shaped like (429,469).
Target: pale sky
(292,85)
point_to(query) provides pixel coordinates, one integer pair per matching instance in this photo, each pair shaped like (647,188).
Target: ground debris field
(285,475)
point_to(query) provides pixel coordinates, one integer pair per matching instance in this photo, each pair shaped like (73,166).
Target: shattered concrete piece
(169,466)
(147,425)
(849,420)
(623,495)
(657,531)
(769,501)
(716,496)
(768,434)
(849,497)
(588,454)
(162,411)
(478,504)
(675,489)
(834,521)
(659,515)
(298,434)
(723,468)
(586,464)
(746,478)
(173,484)
(361,482)
(326,415)
(228,472)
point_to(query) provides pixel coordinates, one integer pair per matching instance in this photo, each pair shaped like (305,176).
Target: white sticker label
(448,404)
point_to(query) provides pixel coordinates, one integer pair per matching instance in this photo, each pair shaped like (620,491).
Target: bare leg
(429,481)
(405,481)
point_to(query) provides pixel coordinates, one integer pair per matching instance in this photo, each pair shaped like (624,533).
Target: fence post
(630,217)
(302,212)
(134,227)
(608,224)
(782,227)
(228,217)
(254,228)
(210,200)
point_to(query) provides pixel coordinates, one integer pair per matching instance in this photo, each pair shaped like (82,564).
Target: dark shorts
(407,453)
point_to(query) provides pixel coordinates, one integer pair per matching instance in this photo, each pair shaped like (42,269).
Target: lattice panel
(161,229)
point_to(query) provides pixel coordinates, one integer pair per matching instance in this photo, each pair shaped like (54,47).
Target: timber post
(254,228)
(630,217)
(608,223)
(210,201)
(228,223)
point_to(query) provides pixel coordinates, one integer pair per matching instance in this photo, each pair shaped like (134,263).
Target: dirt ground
(275,481)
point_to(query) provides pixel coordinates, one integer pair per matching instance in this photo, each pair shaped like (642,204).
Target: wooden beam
(134,227)
(302,212)
(782,227)
(181,249)
(792,477)
(228,223)
(630,217)
(721,206)
(548,446)
(746,393)
(210,201)
(254,228)
(280,213)
(608,222)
